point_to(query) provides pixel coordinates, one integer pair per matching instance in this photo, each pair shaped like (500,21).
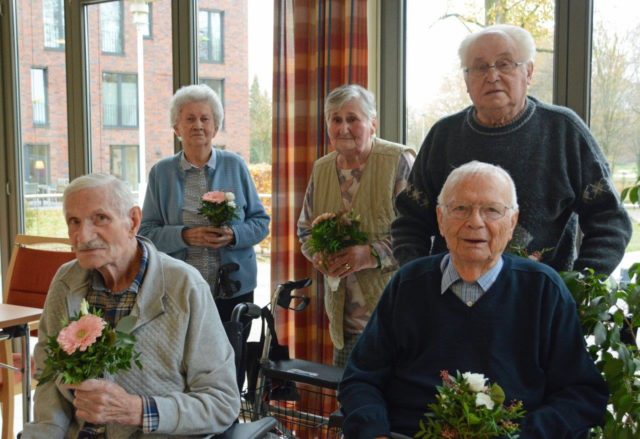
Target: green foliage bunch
(331,232)
(607,311)
(112,351)
(466,407)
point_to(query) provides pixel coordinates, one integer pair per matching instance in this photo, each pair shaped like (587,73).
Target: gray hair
(350,92)
(196,93)
(122,199)
(472,169)
(523,39)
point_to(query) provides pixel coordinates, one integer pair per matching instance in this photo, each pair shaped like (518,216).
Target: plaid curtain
(318,45)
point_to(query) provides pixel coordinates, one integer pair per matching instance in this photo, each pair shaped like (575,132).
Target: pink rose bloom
(214,197)
(81,333)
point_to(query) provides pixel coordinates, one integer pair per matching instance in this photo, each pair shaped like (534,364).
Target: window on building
(111,27)
(53,20)
(216,85)
(210,36)
(124,163)
(36,168)
(148,34)
(39,96)
(119,100)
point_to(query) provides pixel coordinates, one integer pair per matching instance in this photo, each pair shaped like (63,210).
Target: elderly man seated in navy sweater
(474,309)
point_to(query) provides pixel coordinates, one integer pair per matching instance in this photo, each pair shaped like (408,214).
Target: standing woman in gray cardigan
(176,184)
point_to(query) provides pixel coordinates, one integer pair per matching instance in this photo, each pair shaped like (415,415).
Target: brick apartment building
(113,76)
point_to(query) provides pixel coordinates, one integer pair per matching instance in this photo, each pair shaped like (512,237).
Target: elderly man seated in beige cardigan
(187,383)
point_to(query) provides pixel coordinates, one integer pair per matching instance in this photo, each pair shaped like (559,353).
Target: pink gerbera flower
(81,333)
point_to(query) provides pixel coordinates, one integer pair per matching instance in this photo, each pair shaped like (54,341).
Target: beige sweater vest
(374,203)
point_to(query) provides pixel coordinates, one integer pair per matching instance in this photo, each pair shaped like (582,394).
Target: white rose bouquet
(468,407)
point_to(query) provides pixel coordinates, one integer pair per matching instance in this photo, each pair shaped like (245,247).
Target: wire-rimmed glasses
(488,212)
(505,66)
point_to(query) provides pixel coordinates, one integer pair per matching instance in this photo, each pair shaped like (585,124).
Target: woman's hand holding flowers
(208,236)
(349,260)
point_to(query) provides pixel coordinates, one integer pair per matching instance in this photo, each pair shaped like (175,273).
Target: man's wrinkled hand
(105,402)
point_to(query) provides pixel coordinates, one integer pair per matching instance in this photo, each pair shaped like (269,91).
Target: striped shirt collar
(98,281)
(185,165)
(450,275)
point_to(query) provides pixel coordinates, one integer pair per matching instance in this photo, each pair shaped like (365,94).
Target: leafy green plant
(631,192)
(610,315)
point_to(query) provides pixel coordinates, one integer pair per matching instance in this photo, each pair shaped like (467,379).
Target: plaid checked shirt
(116,305)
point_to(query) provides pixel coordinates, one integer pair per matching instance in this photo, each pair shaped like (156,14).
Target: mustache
(91,245)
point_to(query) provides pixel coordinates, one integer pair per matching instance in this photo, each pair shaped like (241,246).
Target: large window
(210,36)
(434,80)
(111,27)
(615,85)
(615,97)
(120,99)
(41,161)
(39,96)
(53,20)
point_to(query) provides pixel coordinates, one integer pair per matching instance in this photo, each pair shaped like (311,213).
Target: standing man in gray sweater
(562,178)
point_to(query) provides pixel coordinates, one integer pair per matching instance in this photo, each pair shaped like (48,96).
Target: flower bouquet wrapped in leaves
(332,232)
(218,207)
(87,347)
(467,407)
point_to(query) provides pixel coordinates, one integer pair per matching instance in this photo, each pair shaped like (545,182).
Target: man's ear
(440,219)
(529,72)
(135,216)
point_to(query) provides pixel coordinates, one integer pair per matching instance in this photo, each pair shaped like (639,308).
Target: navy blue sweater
(560,174)
(523,334)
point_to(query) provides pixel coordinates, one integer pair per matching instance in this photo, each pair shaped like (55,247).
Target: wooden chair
(34,261)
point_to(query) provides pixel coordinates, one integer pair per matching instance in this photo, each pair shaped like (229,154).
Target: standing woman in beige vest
(363,174)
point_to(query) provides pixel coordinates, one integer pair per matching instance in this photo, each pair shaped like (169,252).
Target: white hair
(350,92)
(196,93)
(121,197)
(520,36)
(475,168)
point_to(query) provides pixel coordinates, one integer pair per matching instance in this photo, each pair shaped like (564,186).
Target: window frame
(46,158)
(58,25)
(119,96)
(210,59)
(207,81)
(45,92)
(122,148)
(120,49)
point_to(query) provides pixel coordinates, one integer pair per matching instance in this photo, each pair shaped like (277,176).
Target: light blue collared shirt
(468,292)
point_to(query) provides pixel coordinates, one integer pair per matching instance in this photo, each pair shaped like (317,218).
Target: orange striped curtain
(318,45)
